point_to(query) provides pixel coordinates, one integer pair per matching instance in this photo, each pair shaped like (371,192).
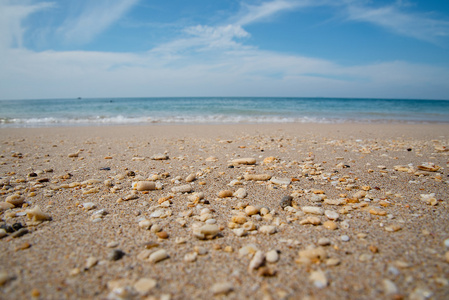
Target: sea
(217,110)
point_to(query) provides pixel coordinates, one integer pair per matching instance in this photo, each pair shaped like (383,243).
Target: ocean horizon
(217,110)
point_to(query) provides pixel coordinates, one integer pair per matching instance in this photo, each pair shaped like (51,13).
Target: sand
(388,241)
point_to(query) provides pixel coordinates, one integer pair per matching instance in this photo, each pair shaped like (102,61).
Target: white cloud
(226,66)
(242,72)
(12,14)
(253,13)
(217,37)
(96,17)
(392,18)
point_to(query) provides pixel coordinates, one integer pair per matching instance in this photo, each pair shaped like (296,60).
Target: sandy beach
(272,211)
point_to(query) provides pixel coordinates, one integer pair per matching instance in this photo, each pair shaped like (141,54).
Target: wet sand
(357,226)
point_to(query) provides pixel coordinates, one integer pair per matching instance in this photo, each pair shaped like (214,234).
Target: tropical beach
(245,149)
(266,211)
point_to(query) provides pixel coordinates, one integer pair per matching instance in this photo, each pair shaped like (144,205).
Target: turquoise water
(115,111)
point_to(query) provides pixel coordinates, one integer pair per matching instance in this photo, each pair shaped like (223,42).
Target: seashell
(429,167)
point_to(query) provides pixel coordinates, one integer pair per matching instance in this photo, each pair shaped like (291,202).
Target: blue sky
(295,48)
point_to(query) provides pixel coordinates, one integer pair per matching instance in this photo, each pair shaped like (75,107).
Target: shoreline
(212,123)
(376,129)
(357,226)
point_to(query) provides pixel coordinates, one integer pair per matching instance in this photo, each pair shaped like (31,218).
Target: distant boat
(79,98)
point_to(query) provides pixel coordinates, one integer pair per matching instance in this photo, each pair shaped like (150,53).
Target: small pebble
(35,293)
(23,246)
(19,233)
(286,201)
(332,262)
(365,257)
(190,257)
(90,262)
(222,288)
(373,249)
(144,186)
(158,256)
(144,285)
(37,215)
(190,178)
(15,200)
(187,188)
(239,232)
(115,254)
(310,220)
(89,205)
(266,271)
(272,256)
(4,277)
(331,215)
(280,181)
(162,235)
(344,238)
(319,279)
(240,193)
(159,156)
(208,231)
(17,226)
(309,255)
(324,242)
(112,244)
(243,161)
(257,177)
(267,229)
(145,224)
(251,210)
(377,212)
(389,287)
(331,225)
(257,261)
(200,250)
(312,210)
(225,194)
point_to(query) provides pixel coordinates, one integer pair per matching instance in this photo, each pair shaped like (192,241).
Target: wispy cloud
(95,17)
(12,14)
(228,64)
(393,18)
(254,13)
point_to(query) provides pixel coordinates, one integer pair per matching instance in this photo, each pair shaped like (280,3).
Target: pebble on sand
(312,210)
(15,200)
(144,185)
(225,194)
(257,177)
(206,232)
(243,161)
(257,261)
(272,256)
(268,229)
(311,254)
(286,201)
(330,225)
(319,279)
(158,256)
(222,288)
(240,193)
(37,215)
(144,285)
(186,188)
(159,156)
